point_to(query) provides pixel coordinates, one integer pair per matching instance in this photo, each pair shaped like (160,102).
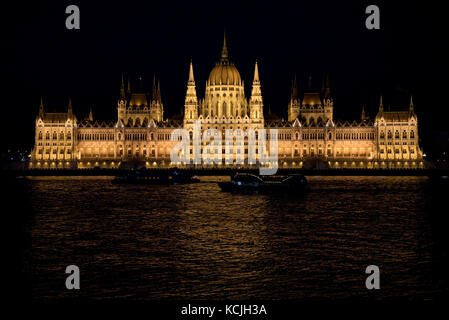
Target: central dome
(224,72)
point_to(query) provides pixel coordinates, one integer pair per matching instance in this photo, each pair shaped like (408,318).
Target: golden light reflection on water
(193,241)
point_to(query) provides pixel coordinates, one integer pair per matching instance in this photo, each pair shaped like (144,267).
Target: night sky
(310,38)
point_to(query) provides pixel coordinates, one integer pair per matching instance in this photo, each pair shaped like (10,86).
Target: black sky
(43,58)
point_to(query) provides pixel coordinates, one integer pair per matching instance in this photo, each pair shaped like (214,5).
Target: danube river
(195,242)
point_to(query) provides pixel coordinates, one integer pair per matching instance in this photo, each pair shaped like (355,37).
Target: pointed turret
(411,107)
(91,116)
(293,105)
(159,98)
(381,105)
(256,74)
(69,108)
(191,100)
(156,108)
(294,91)
(122,89)
(191,78)
(256,101)
(327,91)
(154,96)
(363,116)
(224,51)
(41,108)
(128,92)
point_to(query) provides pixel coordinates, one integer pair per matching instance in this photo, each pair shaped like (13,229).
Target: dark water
(195,242)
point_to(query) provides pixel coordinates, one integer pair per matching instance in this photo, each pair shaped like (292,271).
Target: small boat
(143,176)
(250,183)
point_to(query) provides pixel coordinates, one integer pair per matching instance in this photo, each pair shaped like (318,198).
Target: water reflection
(193,241)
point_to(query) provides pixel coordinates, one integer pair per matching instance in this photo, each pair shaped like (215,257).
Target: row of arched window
(54,136)
(397,135)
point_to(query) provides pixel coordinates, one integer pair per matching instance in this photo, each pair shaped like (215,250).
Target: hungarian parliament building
(141,133)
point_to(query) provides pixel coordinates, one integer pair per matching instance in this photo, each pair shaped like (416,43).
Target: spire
(191,79)
(159,90)
(154,87)
(256,73)
(381,105)
(69,109)
(91,117)
(294,93)
(129,88)
(224,51)
(411,107)
(363,117)
(122,89)
(327,92)
(41,108)
(190,111)
(256,101)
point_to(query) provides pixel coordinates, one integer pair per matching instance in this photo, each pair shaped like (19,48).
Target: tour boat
(250,183)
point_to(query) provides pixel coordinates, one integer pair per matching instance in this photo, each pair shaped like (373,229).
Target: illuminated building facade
(310,134)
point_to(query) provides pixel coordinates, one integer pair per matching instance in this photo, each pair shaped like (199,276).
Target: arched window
(55,135)
(396,134)
(137,122)
(61,135)
(412,134)
(40,135)
(390,136)
(330,135)
(404,135)
(130,122)
(382,135)
(69,136)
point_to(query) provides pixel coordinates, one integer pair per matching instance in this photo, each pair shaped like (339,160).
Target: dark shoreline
(226,172)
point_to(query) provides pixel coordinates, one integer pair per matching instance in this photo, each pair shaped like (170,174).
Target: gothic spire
(363,117)
(191,78)
(122,89)
(256,74)
(91,116)
(159,90)
(327,92)
(154,87)
(381,105)
(411,107)
(69,109)
(129,88)
(294,91)
(41,108)
(224,51)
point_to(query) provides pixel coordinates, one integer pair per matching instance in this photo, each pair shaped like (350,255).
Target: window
(412,134)
(404,135)
(40,135)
